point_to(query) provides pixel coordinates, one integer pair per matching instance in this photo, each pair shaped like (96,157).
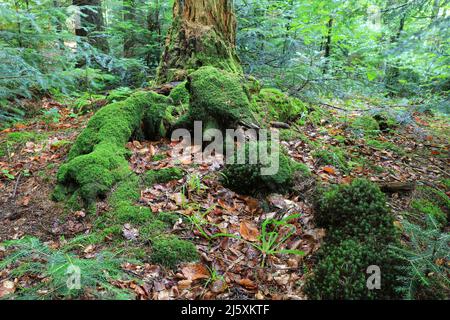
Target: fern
(30,257)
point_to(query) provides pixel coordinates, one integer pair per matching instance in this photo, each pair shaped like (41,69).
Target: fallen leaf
(249,231)
(7,287)
(184,284)
(248,284)
(129,232)
(329,170)
(195,272)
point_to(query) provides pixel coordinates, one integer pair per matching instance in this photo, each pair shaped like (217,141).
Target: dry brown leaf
(249,231)
(248,284)
(184,284)
(329,170)
(7,287)
(195,272)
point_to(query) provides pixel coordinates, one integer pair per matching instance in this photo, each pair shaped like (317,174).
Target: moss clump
(355,210)
(341,272)
(163,175)
(360,231)
(385,121)
(170,251)
(95,173)
(158,116)
(219,96)
(180,95)
(248,177)
(427,208)
(274,105)
(366,126)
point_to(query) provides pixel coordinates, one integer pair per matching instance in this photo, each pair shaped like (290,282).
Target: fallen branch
(396,187)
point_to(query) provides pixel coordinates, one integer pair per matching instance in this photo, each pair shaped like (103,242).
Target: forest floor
(230,268)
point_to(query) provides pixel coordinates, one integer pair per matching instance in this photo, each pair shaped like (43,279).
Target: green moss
(385,121)
(95,173)
(170,251)
(360,231)
(446,184)
(97,160)
(289,135)
(354,211)
(365,125)
(20,138)
(163,175)
(158,116)
(333,156)
(152,229)
(168,217)
(432,202)
(159,157)
(248,178)
(180,95)
(274,105)
(341,272)
(318,116)
(427,208)
(218,95)
(113,124)
(253,85)
(384,145)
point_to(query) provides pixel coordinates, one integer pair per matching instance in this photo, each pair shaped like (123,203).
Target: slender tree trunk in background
(393,72)
(327,46)
(129,15)
(91,23)
(154,26)
(203,32)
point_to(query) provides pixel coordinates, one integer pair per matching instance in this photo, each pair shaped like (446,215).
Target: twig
(15,186)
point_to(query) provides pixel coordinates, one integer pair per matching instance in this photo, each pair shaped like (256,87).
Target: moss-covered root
(112,124)
(98,158)
(220,96)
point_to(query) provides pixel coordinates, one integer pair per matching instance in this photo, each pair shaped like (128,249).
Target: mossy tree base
(202,34)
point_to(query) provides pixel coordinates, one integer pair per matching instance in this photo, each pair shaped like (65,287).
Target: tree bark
(203,33)
(91,23)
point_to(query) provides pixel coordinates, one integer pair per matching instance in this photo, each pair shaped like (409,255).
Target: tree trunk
(327,45)
(130,39)
(91,23)
(203,33)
